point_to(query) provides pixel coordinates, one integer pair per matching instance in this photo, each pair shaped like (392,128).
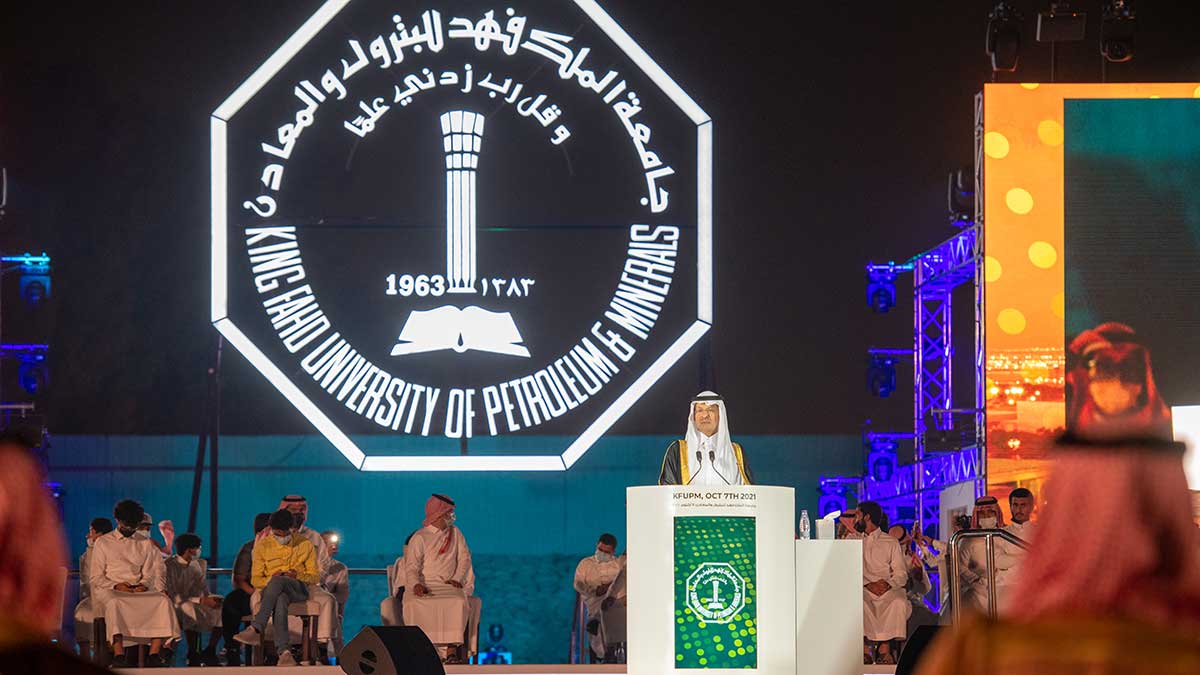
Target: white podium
(712,579)
(829,607)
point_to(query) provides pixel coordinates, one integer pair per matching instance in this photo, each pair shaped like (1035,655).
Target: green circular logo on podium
(716,592)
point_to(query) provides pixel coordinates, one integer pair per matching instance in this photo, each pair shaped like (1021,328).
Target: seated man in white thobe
(336,581)
(328,626)
(198,611)
(593,577)
(973,559)
(885,602)
(127,582)
(84,616)
(439,580)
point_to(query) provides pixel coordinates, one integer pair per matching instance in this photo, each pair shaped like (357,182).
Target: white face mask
(285,539)
(450,519)
(142,533)
(987,523)
(603,557)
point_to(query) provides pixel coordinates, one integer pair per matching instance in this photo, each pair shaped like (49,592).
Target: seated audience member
(84,616)
(33,556)
(126,575)
(439,580)
(284,568)
(932,553)
(1087,606)
(593,577)
(237,603)
(391,609)
(327,623)
(973,559)
(918,584)
(885,604)
(336,581)
(198,611)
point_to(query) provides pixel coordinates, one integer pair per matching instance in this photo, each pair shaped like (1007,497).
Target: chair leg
(312,641)
(100,642)
(305,622)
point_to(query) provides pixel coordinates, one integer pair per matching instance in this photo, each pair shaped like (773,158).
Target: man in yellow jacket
(282,567)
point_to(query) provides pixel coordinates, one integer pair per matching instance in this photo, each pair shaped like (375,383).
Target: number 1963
(421,285)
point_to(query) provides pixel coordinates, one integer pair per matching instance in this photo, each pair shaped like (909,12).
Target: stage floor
(528,669)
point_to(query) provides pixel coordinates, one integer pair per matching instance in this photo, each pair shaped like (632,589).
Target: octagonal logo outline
(218,123)
(689,587)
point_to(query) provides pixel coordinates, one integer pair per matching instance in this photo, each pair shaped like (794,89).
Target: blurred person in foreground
(1087,607)
(31,568)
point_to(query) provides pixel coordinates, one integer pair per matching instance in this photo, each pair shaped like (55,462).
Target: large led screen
(1088,220)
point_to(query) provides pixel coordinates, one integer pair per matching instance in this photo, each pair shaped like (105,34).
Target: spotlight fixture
(1116,31)
(1004,37)
(960,197)
(881,375)
(1061,24)
(881,288)
(33,373)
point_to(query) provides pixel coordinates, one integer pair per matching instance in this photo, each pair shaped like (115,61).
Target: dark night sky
(836,124)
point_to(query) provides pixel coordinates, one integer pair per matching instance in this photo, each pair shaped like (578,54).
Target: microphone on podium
(699,464)
(712,458)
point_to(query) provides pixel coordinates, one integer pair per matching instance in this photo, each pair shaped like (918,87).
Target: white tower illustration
(451,327)
(462,135)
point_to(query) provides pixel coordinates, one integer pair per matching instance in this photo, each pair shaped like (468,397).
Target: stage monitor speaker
(390,650)
(913,649)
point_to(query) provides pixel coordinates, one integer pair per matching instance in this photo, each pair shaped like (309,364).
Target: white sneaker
(286,659)
(250,636)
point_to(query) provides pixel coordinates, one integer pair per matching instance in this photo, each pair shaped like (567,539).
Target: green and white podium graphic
(716,589)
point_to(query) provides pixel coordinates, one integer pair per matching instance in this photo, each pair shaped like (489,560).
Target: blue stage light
(881,375)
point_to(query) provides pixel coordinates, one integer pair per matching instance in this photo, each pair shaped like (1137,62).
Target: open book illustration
(449,327)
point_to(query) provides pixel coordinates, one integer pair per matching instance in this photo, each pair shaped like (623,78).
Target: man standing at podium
(706,455)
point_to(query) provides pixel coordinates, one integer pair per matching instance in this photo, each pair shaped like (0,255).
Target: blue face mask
(603,557)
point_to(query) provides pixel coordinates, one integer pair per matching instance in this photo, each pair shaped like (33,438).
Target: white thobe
(84,616)
(186,584)
(444,612)
(590,576)
(885,617)
(934,556)
(117,559)
(1008,561)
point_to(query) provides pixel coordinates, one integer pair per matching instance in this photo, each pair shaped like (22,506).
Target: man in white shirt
(84,612)
(198,612)
(593,577)
(885,603)
(336,580)
(126,577)
(439,579)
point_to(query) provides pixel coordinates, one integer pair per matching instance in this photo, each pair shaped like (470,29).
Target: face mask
(603,557)
(286,539)
(860,526)
(450,519)
(987,523)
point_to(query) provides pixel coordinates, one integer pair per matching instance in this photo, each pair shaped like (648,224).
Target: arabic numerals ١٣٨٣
(434,285)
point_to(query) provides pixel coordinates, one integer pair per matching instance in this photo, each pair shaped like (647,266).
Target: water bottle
(804,524)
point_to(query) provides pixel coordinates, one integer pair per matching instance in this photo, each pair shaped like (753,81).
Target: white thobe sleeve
(323,557)
(465,571)
(414,564)
(584,585)
(154,572)
(97,564)
(923,584)
(899,571)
